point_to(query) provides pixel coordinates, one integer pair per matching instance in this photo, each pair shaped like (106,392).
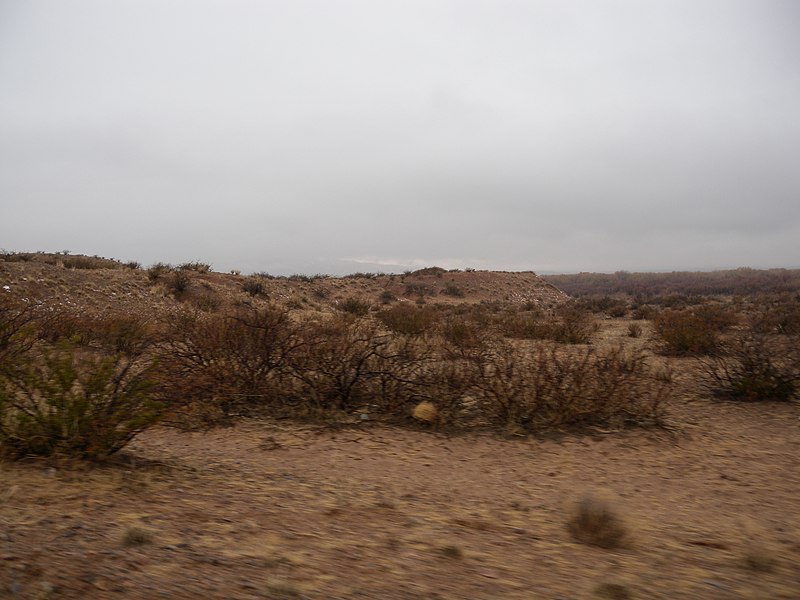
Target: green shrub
(76,403)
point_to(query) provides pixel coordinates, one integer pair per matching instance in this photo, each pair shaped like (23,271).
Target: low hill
(99,283)
(732,282)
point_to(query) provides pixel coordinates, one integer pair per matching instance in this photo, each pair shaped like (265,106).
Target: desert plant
(634,330)
(136,536)
(387,297)
(408,319)
(347,361)
(754,367)
(157,271)
(90,262)
(179,282)
(17,327)
(557,387)
(253,286)
(199,267)
(684,332)
(65,401)
(595,521)
(451,289)
(354,306)
(228,362)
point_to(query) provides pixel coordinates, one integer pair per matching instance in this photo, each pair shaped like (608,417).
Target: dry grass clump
(595,521)
(136,536)
(425,411)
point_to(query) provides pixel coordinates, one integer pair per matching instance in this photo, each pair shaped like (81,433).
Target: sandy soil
(269,510)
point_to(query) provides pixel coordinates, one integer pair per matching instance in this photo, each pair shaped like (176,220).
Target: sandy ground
(270,510)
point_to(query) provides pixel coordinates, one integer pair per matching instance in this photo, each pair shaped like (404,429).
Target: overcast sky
(340,136)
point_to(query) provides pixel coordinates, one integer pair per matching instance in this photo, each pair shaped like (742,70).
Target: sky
(332,136)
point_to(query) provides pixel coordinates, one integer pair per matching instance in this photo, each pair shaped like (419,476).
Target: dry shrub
(179,282)
(253,286)
(136,536)
(90,262)
(684,332)
(571,324)
(407,319)
(595,521)
(354,306)
(340,359)
(227,361)
(556,387)
(780,315)
(755,367)
(451,289)
(197,266)
(634,330)
(114,332)
(158,271)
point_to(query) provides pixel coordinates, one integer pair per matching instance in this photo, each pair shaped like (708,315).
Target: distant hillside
(738,282)
(100,283)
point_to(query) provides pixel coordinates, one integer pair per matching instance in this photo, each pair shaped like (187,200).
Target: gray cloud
(338,136)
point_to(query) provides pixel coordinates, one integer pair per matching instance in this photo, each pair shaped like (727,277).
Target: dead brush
(563,387)
(136,536)
(754,367)
(595,521)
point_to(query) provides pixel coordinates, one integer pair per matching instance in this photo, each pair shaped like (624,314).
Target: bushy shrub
(684,332)
(407,319)
(419,289)
(66,401)
(560,387)
(178,282)
(451,289)
(354,306)
(228,362)
(253,286)
(781,315)
(339,360)
(387,297)
(90,262)
(755,367)
(199,267)
(157,271)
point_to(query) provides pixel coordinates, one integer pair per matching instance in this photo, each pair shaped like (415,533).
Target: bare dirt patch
(270,510)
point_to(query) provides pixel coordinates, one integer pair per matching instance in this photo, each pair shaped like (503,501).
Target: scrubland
(172,431)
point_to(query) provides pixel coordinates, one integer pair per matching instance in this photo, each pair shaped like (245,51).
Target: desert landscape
(176,432)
